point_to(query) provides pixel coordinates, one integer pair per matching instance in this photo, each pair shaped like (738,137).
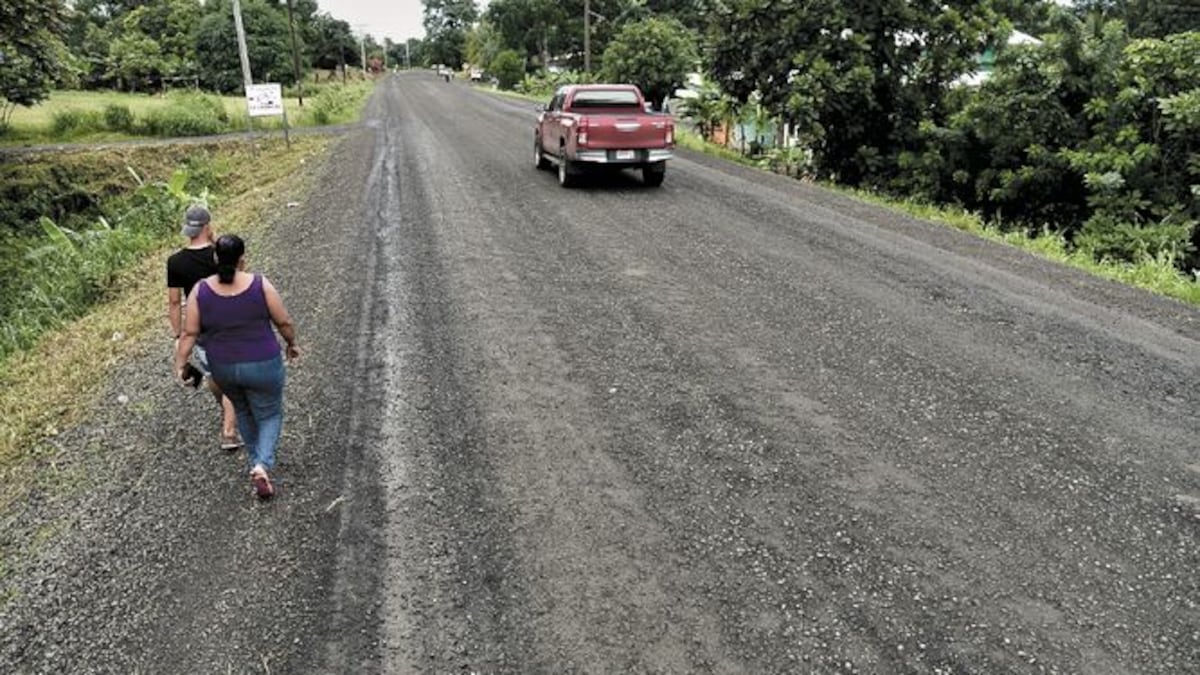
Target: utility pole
(342,56)
(587,36)
(407,57)
(362,45)
(295,56)
(241,35)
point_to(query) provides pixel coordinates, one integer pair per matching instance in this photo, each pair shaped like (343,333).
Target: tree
(1003,153)
(508,68)
(537,28)
(331,43)
(31,52)
(484,44)
(135,60)
(1141,165)
(266,43)
(446,25)
(655,54)
(1146,18)
(858,76)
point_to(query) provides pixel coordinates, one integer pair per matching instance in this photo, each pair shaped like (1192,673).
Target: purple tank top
(236,328)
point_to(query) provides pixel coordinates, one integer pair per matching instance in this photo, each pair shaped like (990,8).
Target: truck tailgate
(627,131)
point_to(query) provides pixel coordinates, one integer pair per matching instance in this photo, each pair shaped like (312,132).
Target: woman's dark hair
(229,248)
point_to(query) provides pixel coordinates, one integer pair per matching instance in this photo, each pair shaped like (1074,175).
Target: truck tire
(568,176)
(653,174)
(539,157)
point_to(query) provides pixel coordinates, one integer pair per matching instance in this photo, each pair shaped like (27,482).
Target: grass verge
(48,387)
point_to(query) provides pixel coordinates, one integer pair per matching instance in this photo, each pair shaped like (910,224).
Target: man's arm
(174,310)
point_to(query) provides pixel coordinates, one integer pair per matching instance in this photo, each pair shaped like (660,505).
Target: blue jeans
(256,390)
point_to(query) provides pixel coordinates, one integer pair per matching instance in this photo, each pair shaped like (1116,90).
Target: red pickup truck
(602,125)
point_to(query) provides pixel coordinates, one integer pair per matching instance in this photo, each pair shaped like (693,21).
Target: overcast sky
(396,19)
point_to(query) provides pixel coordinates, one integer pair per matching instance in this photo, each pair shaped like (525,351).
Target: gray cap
(194,221)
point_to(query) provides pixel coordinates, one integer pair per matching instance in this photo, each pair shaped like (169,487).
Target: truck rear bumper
(618,156)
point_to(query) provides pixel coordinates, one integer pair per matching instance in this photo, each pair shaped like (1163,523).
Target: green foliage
(70,123)
(267,45)
(32,53)
(332,43)
(508,68)
(118,117)
(484,43)
(446,26)
(655,54)
(856,77)
(1140,164)
(188,114)
(134,61)
(1004,151)
(63,266)
(337,103)
(537,28)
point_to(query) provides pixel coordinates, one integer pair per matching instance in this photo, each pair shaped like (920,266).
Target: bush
(204,104)
(118,117)
(508,68)
(188,114)
(75,122)
(180,122)
(1106,239)
(336,103)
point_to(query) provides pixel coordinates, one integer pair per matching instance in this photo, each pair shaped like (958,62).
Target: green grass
(36,124)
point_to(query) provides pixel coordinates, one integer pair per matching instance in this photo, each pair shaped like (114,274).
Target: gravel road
(734,424)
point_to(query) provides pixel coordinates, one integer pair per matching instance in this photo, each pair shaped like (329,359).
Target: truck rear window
(605,98)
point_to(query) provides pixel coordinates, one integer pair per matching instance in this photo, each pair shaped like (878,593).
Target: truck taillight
(581,137)
(670,135)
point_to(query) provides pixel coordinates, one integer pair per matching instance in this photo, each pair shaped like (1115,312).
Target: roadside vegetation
(91,116)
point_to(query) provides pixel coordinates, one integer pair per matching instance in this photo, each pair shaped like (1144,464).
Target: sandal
(231,443)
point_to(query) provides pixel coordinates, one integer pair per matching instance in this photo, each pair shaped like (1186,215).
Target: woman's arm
(281,319)
(191,328)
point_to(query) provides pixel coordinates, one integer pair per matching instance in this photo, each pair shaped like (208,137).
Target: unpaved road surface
(735,424)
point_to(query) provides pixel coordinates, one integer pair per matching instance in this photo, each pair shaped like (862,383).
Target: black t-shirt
(188,265)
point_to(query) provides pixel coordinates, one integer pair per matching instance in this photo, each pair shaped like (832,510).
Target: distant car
(602,125)
(477,75)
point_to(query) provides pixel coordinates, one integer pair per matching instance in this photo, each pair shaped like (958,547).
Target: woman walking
(230,314)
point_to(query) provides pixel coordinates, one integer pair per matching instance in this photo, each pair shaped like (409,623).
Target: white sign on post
(264,100)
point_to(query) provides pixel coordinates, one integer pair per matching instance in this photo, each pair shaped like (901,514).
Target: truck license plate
(626,154)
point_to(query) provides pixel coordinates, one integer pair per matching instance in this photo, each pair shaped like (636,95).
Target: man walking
(185,267)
